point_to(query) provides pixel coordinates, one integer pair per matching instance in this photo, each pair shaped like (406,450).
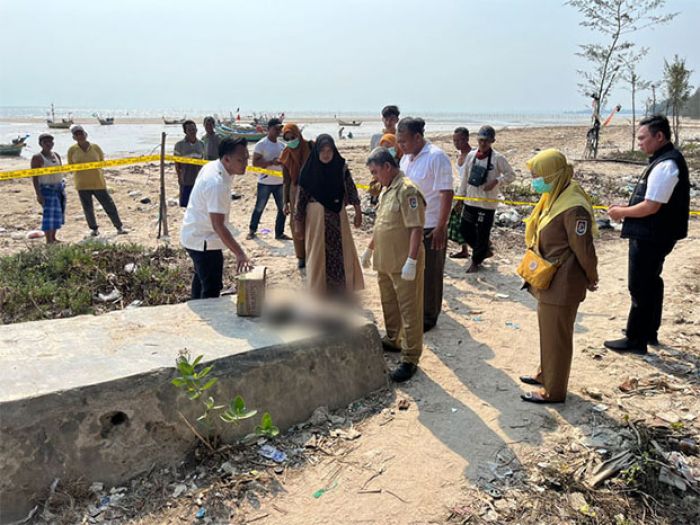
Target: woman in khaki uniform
(560,230)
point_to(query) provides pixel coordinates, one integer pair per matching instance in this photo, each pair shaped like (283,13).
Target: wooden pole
(163,219)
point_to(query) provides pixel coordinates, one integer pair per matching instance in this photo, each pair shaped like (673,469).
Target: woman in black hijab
(325,189)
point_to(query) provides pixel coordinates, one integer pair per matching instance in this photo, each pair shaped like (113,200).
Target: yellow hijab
(551,164)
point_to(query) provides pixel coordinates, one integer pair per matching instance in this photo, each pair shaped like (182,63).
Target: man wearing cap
(91,183)
(485,172)
(193,148)
(50,189)
(267,155)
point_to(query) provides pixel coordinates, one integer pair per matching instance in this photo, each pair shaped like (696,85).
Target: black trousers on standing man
(646,262)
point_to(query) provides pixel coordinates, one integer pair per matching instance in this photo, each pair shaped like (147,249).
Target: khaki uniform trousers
(556,347)
(402,305)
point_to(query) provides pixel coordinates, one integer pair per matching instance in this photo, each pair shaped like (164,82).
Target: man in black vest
(655,218)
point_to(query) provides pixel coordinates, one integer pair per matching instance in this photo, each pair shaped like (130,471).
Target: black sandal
(529,380)
(532,397)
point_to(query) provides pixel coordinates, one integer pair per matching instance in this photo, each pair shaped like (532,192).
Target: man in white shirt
(460,139)
(485,172)
(654,220)
(267,155)
(430,169)
(205,228)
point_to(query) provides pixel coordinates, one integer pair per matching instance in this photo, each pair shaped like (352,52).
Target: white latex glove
(408,272)
(366,258)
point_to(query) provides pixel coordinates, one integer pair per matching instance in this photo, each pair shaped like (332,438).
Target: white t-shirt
(269,151)
(431,171)
(661,182)
(211,194)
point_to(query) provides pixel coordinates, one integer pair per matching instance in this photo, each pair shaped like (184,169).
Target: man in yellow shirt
(91,183)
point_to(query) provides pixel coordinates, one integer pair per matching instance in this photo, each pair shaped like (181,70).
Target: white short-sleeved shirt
(269,151)
(661,181)
(500,171)
(431,171)
(211,194)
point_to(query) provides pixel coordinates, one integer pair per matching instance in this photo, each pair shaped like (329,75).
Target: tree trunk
(633,111)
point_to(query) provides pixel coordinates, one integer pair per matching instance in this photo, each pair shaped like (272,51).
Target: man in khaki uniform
(398,256)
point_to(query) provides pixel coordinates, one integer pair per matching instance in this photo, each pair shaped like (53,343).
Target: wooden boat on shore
(65,123)
(349,123)
(174,121)
(249,135)
(107,121)
(14,149)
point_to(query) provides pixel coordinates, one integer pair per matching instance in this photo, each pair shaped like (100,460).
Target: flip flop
(529,380)
(459,255)
(532,397)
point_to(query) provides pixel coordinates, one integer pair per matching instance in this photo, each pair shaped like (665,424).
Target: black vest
(671,221)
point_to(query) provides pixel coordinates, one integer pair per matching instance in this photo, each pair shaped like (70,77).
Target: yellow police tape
(18,174)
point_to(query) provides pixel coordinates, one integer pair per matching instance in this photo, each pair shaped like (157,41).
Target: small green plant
(678,426)
(266,427)
(195,383)
(190,380)
(237,411)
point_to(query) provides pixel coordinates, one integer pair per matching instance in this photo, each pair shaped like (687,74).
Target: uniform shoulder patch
(581,227)
(413,201)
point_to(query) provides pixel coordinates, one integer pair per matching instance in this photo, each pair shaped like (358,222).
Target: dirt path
(464,405)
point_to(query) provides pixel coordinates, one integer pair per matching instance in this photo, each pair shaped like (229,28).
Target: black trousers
(476,229)
(105,199)
(432,282)
(208,273)
(646,262)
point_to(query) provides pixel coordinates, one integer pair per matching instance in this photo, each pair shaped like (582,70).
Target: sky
(454,56)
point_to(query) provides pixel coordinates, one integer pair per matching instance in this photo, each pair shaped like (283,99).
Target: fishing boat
(174,121)
(65,123)
(349,123)
(249,135)
(107,121)
(14,149)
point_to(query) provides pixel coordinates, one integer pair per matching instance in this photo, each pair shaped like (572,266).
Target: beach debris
(179,490)
(145,200)
(604,224)
(17,236)
(173,202)
(130,267)
(111,297)
(502,296)
(629,384)
(600,407)
(593,393)
(134,193)
(403,404)
(134,304)
(514,326)
(319,416)
(508,217)
(609,468)
(320,492)
(201,513)
(270,452)
(477,319)
(349,435)
(35,234)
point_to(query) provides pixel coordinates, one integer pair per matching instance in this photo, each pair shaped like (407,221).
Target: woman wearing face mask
(325,189)
(292,159)
(388,141)
(560,230)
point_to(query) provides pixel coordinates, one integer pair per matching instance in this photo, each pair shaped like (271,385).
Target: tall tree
(678,88)
(615,20)
(636,84)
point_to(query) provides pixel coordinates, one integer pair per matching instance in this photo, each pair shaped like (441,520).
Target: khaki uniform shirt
(569,235)
(401,208)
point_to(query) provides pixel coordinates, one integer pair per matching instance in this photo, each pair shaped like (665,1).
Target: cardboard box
(251,292)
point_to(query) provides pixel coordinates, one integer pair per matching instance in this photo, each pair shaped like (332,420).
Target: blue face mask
(540,186)
(294,144)
(393,152)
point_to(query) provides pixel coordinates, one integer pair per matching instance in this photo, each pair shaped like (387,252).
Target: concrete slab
(90,397)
